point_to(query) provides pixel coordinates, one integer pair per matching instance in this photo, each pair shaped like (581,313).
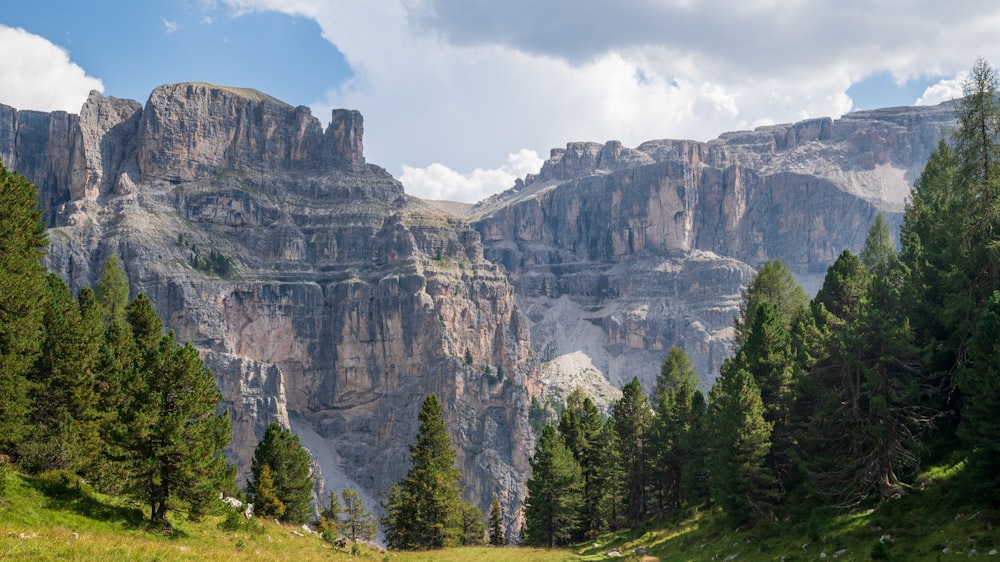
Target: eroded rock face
(343,302)
(640,249)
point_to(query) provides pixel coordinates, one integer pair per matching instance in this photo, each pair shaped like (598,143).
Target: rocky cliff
(618,253)
(334,302)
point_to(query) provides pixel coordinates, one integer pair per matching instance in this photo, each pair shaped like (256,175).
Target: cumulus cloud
(438,181)
(449,86)
(945,90)
(36,74)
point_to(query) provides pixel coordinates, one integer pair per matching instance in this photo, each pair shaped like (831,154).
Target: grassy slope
(921,525)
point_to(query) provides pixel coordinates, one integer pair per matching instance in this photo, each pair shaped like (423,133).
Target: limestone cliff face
(345,303)
(640,249)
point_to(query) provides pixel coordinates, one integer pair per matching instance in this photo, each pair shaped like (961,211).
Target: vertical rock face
(640,249)
(342,301)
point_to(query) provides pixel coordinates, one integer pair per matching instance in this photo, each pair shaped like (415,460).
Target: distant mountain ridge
(349,300)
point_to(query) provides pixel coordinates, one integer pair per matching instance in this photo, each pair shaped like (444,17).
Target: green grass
(60,519)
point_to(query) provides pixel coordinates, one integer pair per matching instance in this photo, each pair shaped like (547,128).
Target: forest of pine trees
(840,400)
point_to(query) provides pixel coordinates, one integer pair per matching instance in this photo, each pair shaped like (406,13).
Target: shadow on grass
(67,492)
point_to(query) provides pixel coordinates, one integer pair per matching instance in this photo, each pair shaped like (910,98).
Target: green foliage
(22,300)
(980,383)
(554,492)
(356,523)
(112,291)
(168,436)
(676,371)
(671,444)
(288,462)
(265,495)
(580,427)
(773,283)
(632,420)
(215,263)
(740,481)
(329,519)
(473,528)
(424,510)
(496,532)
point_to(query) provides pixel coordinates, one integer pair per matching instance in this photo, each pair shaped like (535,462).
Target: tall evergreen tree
(668,451)
(424,509)
(980,383)
(170,437)
(554,497)
(675,372)
(329,519)
(740,481)
(22,299)
(694,440)
(773,283)
(497,536)
(290,467)
(632,419)
(580,426)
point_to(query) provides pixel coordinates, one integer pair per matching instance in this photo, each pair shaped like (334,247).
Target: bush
(62,483)
(233,521)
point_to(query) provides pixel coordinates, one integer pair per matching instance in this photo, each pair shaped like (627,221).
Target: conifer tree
(22,299)
(632,419)
(329,519)
(357,523)
(740,481)
(553,502)
(424,509)
(611,478)
(169,436)
(580,426)
(290,468)
(668,451)
(980,383)
(266,502)
(694,441)
(497,537)
(675,372)
(773,283)
(112,290)
(473,528)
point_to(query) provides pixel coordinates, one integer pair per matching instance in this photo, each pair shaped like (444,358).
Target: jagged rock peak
(190,131)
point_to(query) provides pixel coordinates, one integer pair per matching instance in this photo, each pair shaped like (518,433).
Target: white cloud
(945,90)
(449,86)
(36,74)
(169,26)
(438,181)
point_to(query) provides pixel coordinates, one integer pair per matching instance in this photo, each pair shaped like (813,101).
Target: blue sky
(460,97)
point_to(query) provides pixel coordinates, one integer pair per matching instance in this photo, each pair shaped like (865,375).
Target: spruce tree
(675,372)
(740,480)
(553,502)
(980,383)
(497,537)
(290,466)
(668,451)
(424,509)
(632,419)
(22,300)
(773,283)
(329,519)
(580,427)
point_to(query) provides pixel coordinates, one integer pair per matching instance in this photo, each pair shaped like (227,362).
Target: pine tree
(64,431)
(473,528)
(675,372)
(290,467)
(22,300)
(773,283)
(632,419)
(694,440)
(357,523)
(611,479)
(667,449)
(580,426)
(740,481)
(553,502)
(424,510)
(497,537)
(980,383)
(169,437)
